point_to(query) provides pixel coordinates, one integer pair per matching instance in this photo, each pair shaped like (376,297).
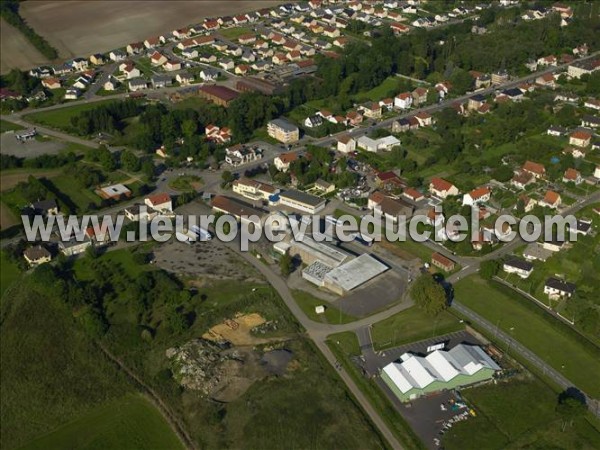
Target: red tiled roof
(439,184)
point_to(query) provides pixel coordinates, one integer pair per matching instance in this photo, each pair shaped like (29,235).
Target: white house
(403,100)
(346,144)
(518,266)
(442,188)
(160,202)
(283,161)
(556,289)
(477,196)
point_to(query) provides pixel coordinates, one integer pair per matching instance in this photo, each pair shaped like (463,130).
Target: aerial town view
(322,224)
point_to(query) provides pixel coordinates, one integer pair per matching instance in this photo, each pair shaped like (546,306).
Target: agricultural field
(16,51)
(412,325)
(9,273)
(80,29)
(548,338)
(128,422)
(519,414)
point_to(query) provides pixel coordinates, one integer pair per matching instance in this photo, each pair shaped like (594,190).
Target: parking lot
(28,149)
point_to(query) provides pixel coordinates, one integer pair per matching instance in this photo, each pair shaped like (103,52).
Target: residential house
(580,68)
(572,176)
(425,119)
(135,48)
(556,289)
(117,55)
(354,118)
(209,74)
(518,266)
(413,195)
(72,94)
(546,80)
(580,138)
(535,169)
(388,181)
(137,84)
(551,200)
(522,179)
(590,121)
(111,83)
(129,70)
(403,100)
(161,203)
(157,59)
(51,83)
(419,96)
(372,110)
(556,131)
(184,78)
(346,144)
(282,162)
(172,65)
(442,188)
(74,246)
(161,81)
(37,255)
(313,121)
(240,154)
(477,196)
(97,59)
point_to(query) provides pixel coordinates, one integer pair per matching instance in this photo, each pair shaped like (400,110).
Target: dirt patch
(16,52)
(204,261)
(237,330)
(80,28)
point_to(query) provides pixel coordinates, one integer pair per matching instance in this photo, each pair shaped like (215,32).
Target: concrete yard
(30,149)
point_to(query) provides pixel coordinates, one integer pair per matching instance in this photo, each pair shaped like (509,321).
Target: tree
(569,408)
(489,269)
(227,177)
(106,158)
(130,161)
(429,295)
(286,264)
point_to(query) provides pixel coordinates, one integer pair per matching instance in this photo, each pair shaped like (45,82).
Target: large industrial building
(302,201)
(440,370)
(345,277)
(309,251)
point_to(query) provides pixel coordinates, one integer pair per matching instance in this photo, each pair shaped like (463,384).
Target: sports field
(541,333)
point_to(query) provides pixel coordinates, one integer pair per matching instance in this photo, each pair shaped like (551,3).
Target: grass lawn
(412,325)
(9,272)
(235,32)
(308,303)
(80,198)
(123,257)
(61,118)
(129,422)
(379,92)
(8,126)
(186,183)
(518,414)
(347,341)
(548,338)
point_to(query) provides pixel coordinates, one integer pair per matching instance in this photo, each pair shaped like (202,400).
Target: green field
(8,126)
(80,198)
(385,89)
(234,33)
(347,341)
(332,314)
(518,414)
(130,422)
(51,372)
(9,273)
(124,258)
(548,338)
(412,325)
(186,183)
(61,118)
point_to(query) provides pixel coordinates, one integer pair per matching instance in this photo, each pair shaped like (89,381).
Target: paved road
(318,332)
